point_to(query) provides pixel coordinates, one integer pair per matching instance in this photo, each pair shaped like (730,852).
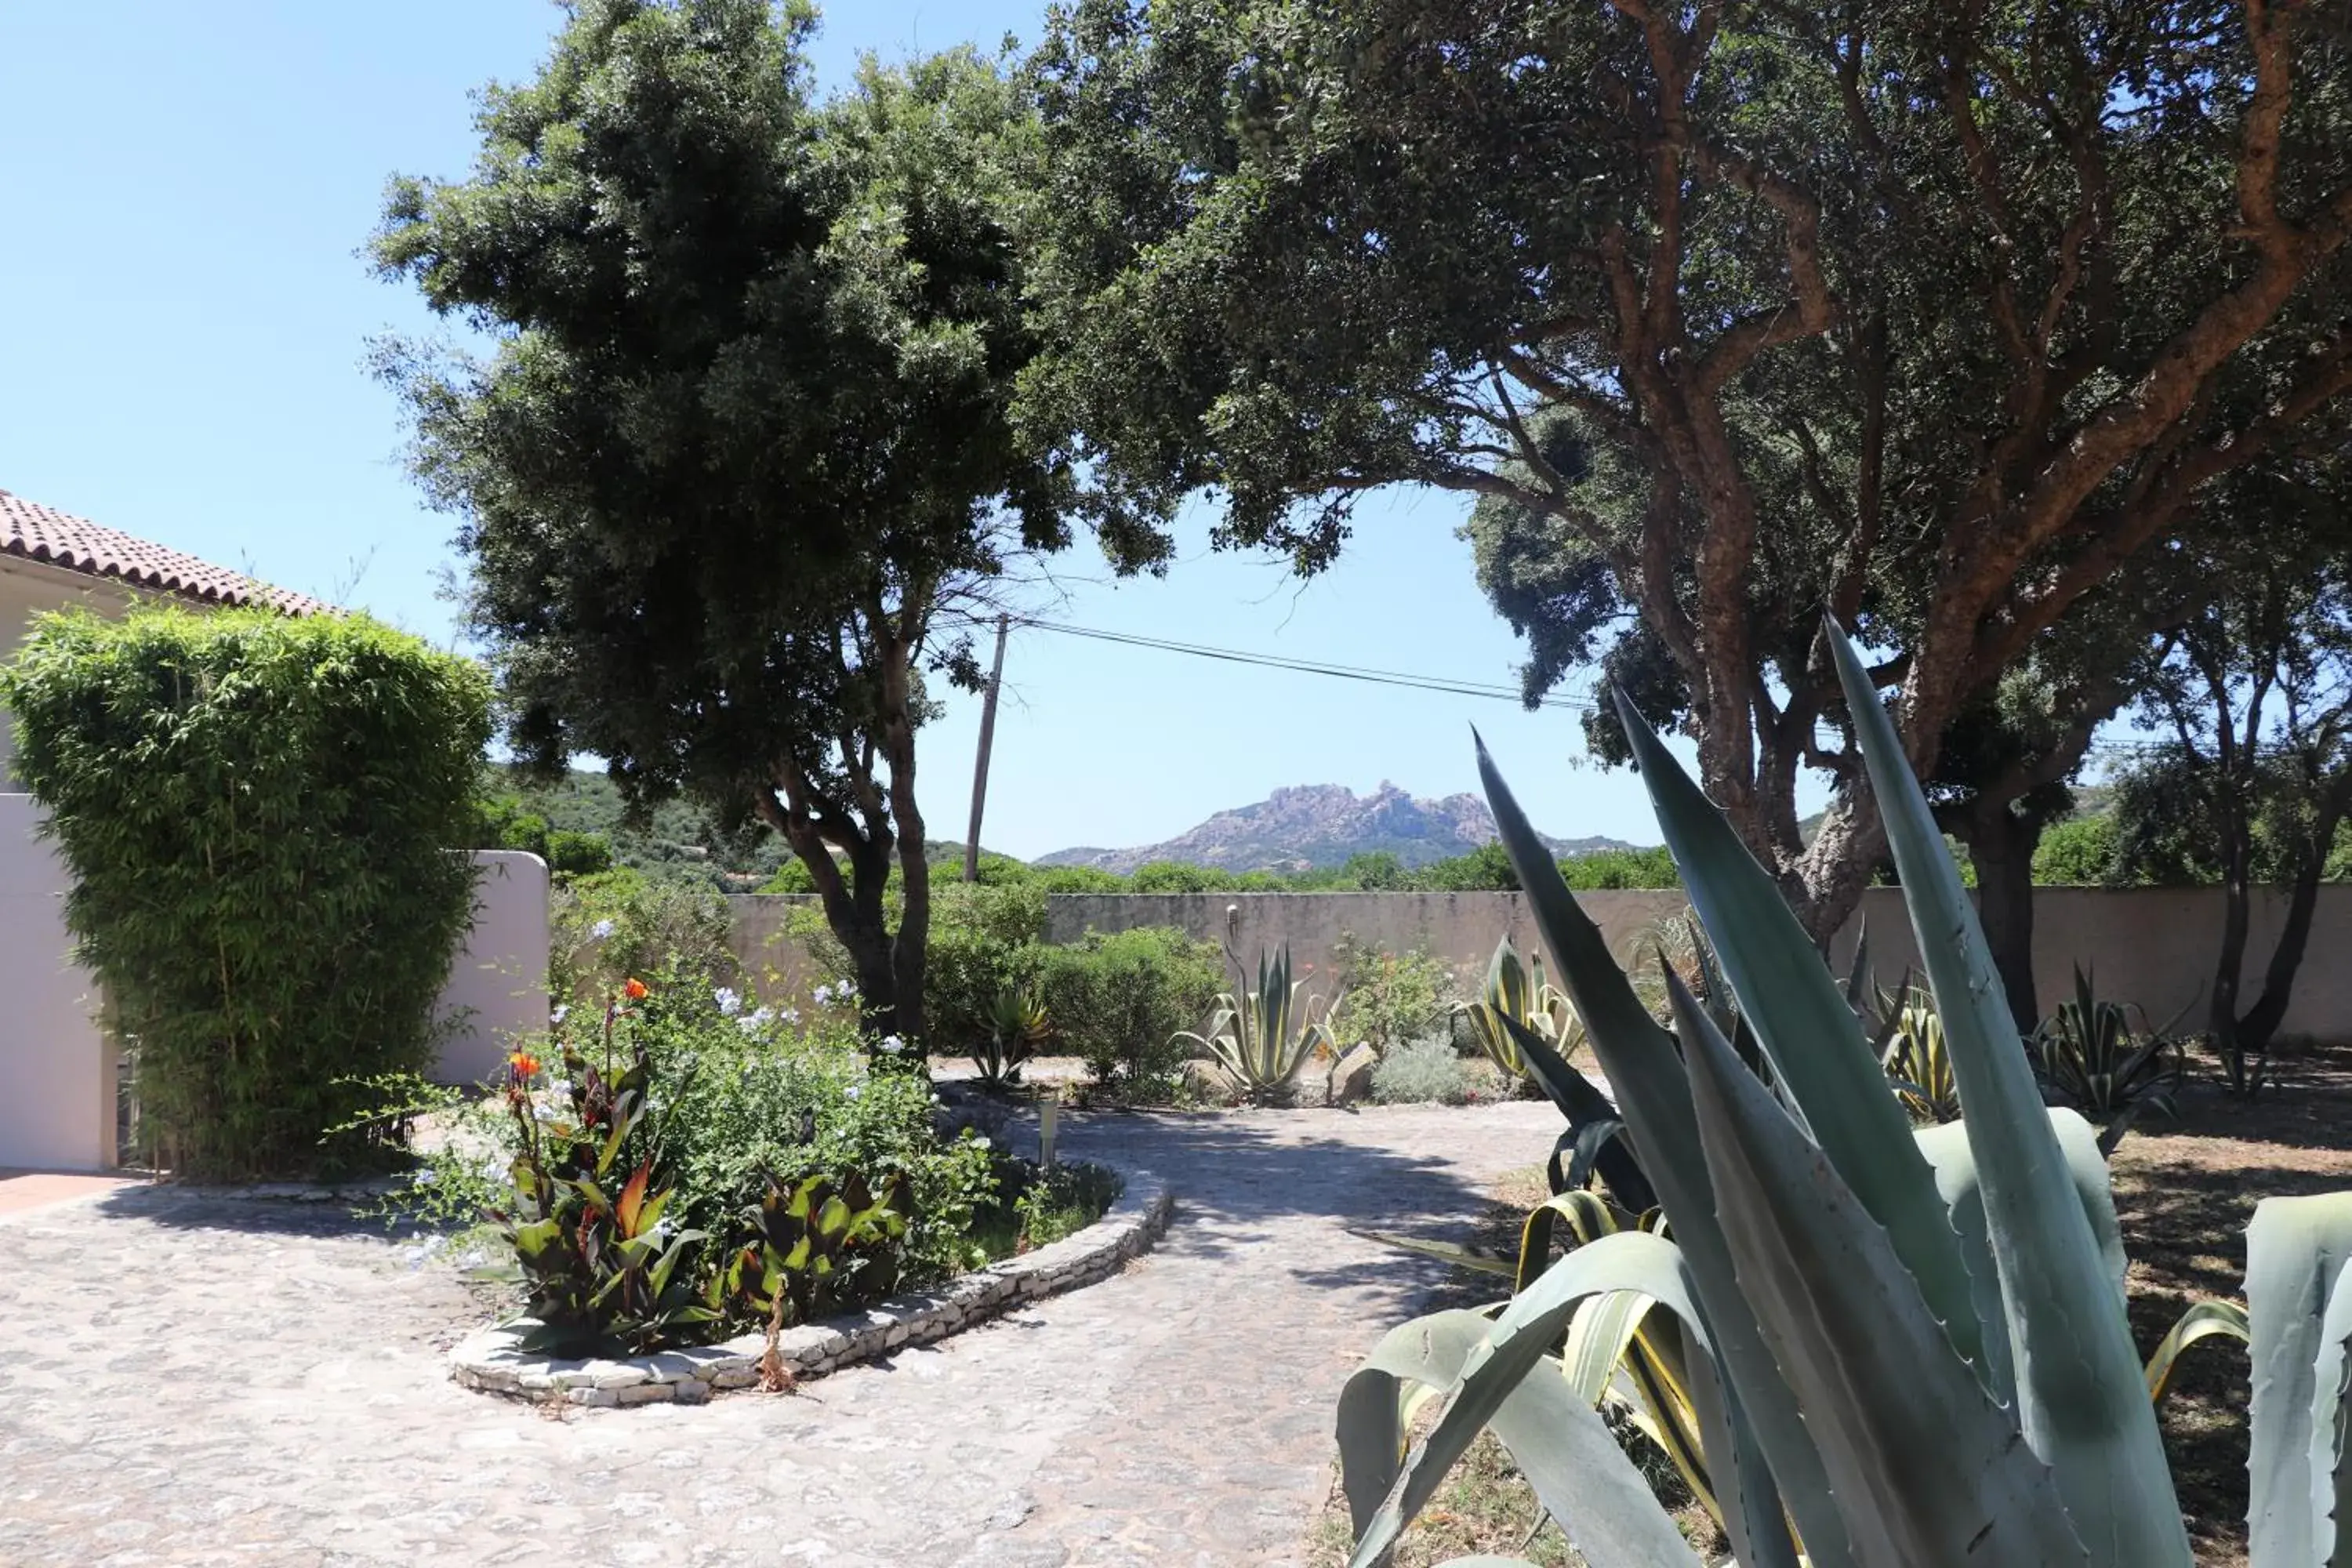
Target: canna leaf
(2079,1400)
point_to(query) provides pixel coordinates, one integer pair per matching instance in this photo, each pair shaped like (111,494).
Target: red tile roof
(43,533)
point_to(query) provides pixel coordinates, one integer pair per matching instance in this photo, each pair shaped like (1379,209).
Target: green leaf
(1810,1033)
(2296,1249)
(1929,1473)
(2202,1321)
(1947,1151)
(1429,1351)
(1514,1344)
(1654,1097)
(2080,1398)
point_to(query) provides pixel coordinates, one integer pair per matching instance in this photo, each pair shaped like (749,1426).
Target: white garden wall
(57,1066)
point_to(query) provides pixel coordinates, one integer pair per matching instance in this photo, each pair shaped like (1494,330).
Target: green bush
(1116,1000)
(507,823)
(265,820)
(2078,852)
(611,925)
(1388,998)
(1610,868)
(1175,877)
(983,941)
(1077,879)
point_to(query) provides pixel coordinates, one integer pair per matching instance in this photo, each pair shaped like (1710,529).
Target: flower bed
(496,1360)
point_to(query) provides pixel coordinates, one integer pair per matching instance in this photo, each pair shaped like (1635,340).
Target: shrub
(1611,869)
(1390,997)
(2078,852)
(265,818)
(1078,880)
(1062,1200)
(610,925)
(1116,1001)
(1174,876)
(1421,1072)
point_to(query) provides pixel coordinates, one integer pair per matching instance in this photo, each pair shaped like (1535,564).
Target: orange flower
(522,1066)
(635,990)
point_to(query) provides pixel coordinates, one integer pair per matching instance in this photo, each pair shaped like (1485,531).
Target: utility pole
(987,740)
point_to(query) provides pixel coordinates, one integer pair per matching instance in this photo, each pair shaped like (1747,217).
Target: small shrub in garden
(1117,1000)
(1390,998)
(1421,1072)
(608,926)
(265,821)
(1062,1200)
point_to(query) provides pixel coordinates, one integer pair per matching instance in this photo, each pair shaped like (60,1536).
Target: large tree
(1936,316)
(2254,779)
(742,451)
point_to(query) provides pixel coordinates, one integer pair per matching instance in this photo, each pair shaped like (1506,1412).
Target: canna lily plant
(1890,1348)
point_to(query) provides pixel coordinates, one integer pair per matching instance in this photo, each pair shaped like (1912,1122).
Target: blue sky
(184,323)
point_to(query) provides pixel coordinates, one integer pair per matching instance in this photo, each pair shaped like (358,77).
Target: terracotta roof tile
(43,533)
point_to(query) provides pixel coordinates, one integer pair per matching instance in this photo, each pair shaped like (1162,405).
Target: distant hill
(1314,826)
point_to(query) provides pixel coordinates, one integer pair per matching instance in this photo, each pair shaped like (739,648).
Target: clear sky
(183,322)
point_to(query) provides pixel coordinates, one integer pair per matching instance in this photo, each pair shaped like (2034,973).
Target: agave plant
(1899,1348)
(2092,1058)
(1264,1035)
(1917,1061)
(1017,1023)
(1516,990)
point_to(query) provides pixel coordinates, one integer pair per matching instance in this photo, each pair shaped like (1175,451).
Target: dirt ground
(2185,1189)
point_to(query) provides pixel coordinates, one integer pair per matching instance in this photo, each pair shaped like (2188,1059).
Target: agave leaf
(1443,1251)
(1600,1334)
(2202,1321)
(2331,1404)
(1809,1032)
(1900,1418)
(2296,1249)
(1955,1164)
(1428,1352)
(1746,1501)
(1583,1105)
(2079,1401)
(1654,1097)
(1609,1523)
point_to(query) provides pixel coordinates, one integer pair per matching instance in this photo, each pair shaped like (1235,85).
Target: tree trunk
(2002,843)
(2236,895)
(2254,1031)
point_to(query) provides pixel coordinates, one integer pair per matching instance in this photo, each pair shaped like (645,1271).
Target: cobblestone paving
(196,1381)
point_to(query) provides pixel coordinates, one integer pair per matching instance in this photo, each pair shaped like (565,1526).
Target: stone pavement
(186,1381)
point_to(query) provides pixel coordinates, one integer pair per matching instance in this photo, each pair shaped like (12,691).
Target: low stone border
(491,1361)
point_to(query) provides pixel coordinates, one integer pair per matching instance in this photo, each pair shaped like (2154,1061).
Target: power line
(1445,685)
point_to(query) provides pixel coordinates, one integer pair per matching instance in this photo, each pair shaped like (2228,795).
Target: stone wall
(2154,947)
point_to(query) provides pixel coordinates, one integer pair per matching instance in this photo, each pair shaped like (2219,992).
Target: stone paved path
(193,1382)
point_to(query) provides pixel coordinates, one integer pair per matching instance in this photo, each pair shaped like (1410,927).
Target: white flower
(426,1177)
(556,1018)
(752,1023)
(892,1044)
(980,1141)
(851,1091)
(601,930)
(729,1004)
(792,1015)
(823,994)
(847,990)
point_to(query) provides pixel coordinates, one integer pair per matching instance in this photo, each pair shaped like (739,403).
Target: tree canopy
(1947,318)
(744,450)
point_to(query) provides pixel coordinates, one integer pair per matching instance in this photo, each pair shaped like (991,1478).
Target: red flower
(635,990)
(522,1067)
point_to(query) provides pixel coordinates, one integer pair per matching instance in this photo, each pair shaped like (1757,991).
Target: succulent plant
(1516,989)
(1264,1035)
(1898,1350)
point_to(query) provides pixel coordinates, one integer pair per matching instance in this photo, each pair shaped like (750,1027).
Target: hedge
(264,819)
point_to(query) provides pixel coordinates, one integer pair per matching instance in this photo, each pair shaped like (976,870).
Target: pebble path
(192,1381)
